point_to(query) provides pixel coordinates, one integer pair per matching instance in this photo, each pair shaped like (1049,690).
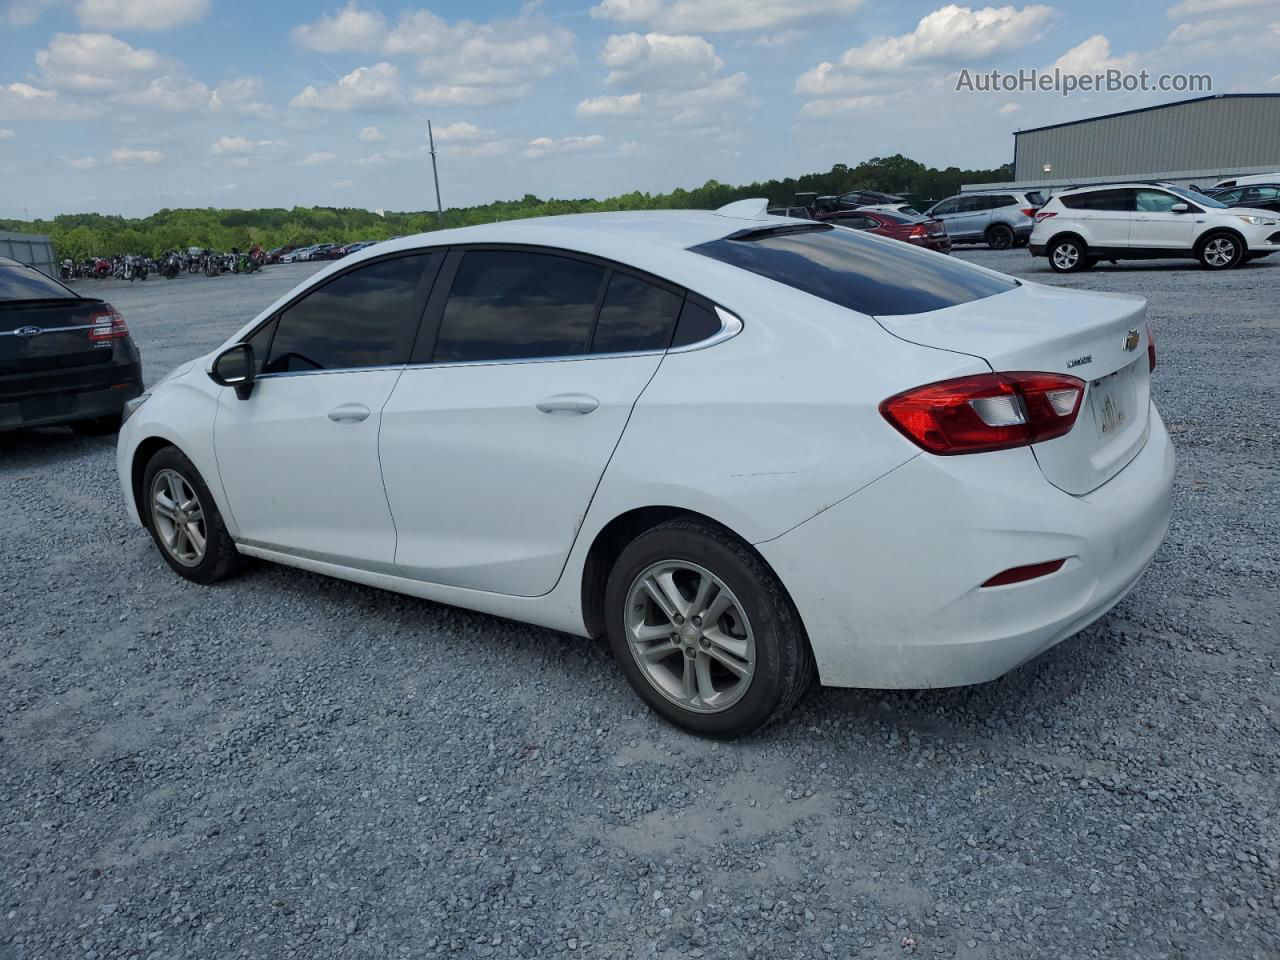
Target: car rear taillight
(1028,211)
(1151,348)
(107,324)
(919,231)
(1032,571)
(987,411)
(1045,215)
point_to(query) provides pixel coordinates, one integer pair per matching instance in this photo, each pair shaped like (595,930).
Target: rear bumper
(1037,249)
(67,396)
(904,608)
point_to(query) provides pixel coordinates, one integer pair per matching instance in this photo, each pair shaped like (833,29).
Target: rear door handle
(567,403)
(349,413)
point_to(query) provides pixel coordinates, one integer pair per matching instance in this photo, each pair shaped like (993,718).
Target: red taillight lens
(988,411)
(919,231)
(1045,215)
(107,325)
(1028,211)
(1151,348)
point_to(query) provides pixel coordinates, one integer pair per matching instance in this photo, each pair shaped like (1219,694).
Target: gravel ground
(288,766)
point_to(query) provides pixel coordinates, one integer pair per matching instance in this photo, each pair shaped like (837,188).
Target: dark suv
(64,358)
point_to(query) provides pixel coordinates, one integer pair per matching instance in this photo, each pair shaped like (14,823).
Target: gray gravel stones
(287,766)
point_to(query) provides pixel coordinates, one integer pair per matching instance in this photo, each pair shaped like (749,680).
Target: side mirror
(236,367)
(1179,208)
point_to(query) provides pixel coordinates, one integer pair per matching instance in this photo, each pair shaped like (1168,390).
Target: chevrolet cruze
(748,450)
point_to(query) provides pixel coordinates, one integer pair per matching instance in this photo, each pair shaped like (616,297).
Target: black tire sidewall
(212,566)
(1000,231)
(1058,243)
(757,591)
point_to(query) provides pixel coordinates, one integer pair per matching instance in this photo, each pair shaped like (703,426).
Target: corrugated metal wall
(1224,133)
(29,248)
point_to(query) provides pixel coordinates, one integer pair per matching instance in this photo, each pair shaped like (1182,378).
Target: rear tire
(1221,251)
(743,667)
(183,519)
(999,237)
(1067,255)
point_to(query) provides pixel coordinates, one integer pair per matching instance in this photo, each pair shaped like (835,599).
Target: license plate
(1108,403)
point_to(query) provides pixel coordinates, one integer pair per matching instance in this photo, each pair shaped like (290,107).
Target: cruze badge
(1131,340)
(1080,361)
(28,331)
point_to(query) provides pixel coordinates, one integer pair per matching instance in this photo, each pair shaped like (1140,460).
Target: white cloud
(350,30)
(24,100)
(479,63)
(364,87)
(22,13)
(240,147)
(318,159)
(131,157)
(660,61)
(607,106)
(715,16)
(80,163)
(489,148)
(1094,56)
(1010,107)
(1200,8)
(460,132)
(96,63)
(6,134)
(842,105)
(370,135)
(241,95)
(169,93)
(139,14)
(544,146)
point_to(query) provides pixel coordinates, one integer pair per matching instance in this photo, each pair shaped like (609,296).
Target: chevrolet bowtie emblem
(1131,340)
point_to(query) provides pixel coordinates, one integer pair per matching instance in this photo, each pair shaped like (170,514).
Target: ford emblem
(28,331)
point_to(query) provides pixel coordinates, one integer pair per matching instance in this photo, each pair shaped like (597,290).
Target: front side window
(947,206)
(1156,201)
(514,305)
(856,271)
(365,318)
(635,316)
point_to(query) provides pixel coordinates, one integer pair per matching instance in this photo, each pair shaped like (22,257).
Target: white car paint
(773,432)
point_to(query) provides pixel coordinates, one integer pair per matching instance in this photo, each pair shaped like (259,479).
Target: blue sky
(126,106)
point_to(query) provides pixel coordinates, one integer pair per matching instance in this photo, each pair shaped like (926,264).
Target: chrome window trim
(44,330)
(730,327)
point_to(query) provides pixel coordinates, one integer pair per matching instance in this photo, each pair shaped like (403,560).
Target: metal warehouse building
(29,248)
(1192,141)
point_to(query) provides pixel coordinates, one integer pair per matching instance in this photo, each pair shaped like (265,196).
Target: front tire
(183,519)
(1067,255)
(1221,251)
(704,631)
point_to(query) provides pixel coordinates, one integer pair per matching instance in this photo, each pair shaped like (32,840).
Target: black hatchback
(64,358)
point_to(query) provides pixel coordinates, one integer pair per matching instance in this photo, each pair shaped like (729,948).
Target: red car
(912,228)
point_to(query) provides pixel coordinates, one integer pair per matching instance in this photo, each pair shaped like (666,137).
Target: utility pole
(431,139)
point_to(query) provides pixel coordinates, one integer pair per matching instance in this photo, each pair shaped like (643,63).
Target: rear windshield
(877,277)
(18,282)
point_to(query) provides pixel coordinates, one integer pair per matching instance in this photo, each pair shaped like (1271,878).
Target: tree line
(81,235)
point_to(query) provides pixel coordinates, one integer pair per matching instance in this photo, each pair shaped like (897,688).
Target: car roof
(679,229)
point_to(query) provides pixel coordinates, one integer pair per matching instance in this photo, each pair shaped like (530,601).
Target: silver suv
(1000,219)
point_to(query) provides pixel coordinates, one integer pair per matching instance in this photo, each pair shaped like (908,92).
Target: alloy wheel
(1066,256)
(690,636)
(179,518)
(1219,252)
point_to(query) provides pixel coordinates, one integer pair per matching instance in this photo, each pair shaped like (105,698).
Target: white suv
(1144,221)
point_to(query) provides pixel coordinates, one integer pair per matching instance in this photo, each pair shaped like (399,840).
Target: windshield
(1195,196)
(847,267)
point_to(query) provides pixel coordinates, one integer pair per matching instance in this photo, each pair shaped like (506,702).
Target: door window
(1100,200)
(858,223)
(1156,201)
(947,206)
(365,318)
(635,316)
(517,305)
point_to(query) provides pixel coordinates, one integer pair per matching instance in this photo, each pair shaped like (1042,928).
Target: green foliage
(81,235)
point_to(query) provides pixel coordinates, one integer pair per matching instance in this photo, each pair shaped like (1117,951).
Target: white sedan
(749,450)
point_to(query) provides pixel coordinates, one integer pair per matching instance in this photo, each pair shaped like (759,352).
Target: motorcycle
(171,266)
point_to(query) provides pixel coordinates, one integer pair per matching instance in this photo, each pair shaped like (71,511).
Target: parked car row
(318,251)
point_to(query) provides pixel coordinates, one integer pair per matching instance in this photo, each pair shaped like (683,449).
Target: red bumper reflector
(1030,572)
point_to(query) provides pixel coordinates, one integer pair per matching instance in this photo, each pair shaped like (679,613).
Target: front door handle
(349,413)
(567,403)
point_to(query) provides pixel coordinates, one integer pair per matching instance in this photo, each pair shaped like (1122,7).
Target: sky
(128,106)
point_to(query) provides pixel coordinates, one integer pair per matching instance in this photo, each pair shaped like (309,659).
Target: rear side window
(20,282)
(365,318)
(1035,198)
(512,305)
(635,316)
(1099,200)
(1002,200)
(855,270)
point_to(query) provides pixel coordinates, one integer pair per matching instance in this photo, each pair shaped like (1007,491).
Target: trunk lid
(39,335)
(1101,338)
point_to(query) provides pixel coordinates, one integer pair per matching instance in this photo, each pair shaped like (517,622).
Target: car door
(947,211)
(1104,216)
(299,457)
(1156,226)
(971,219)
(498,432)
